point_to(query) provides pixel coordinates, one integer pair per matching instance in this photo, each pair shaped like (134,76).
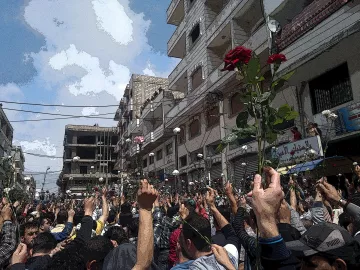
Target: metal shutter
(239,170)
(215,171)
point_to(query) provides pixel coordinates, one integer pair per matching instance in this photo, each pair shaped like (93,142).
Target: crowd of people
(279,224)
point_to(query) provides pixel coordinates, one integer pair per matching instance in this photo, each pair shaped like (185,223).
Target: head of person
(45,224)
(121,257)
(326,246)
(190,204)
(117,236)
(42,244)
(172,211)
(28,231)
(133,227)
(62,217)
(195,236)
(125,208)
(112,216)
(225,211)
(95,251)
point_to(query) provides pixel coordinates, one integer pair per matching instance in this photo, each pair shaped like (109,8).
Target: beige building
(6,138)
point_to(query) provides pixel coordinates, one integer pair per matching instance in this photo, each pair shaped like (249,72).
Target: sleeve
(354,211)
(8,242)
(18,266)
(99,227)
(230,236)
(157,217)
(84,234)
(295,221)
(247,241)
(275,255)
(60,236)
(317,213)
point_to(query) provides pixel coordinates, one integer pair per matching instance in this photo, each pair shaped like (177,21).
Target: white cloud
(108,13)
(87,111)
(148,71)
(44,146)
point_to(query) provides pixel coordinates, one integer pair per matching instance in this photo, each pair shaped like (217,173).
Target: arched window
(212,117)
(182,135)
(194,128)
(236,105)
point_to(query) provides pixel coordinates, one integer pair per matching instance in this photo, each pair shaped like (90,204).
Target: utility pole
(222,136)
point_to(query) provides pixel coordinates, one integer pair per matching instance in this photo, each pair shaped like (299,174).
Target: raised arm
(8,238)
(60,236)
(145,246)
(105,207)
(230,194)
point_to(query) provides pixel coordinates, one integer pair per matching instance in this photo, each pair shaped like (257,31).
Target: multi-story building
(18,166)
(6,138)
(140,91)
(89,158)
(321,42)
(30,186)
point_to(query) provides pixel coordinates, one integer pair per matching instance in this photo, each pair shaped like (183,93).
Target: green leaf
(278,121)
(291,115)
(279,83)
(220,148)
(230,138)
(283,110)
(270,136)
(253,69)
(242,118)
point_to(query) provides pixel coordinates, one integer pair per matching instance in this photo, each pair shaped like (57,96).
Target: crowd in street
(278,224)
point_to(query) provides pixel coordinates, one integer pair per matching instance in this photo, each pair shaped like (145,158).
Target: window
(83,169)
(159,154)
(194,34)
(212,117)
(169,149)
(145,162)
(194,128)
(331,89)
(183,161)
(182,135)
(151,160)
(196,78)
(236,106)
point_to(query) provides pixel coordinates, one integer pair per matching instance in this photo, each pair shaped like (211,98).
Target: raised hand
(210,197)
(328,191)
(222,257)
(183,211)
(146,195)
(20,254)
(7,213)
(89,206)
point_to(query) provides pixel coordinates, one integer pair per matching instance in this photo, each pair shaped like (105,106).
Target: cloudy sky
(78,52)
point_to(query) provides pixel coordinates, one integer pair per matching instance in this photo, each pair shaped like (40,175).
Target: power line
(57,114)
(39,155)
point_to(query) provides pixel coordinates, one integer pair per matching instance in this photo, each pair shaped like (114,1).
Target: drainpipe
(299,94)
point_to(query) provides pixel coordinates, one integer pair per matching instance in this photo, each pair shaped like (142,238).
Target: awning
(284,170)
(333,166)
(303,167)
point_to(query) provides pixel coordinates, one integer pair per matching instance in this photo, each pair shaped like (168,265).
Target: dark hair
(62,217)
(112,216)
(198,229)
(78,217)
(43,243)
(96,249)
(225,212)
(28,225)
(133,227)
(125,208)
(117,234)
(172,211)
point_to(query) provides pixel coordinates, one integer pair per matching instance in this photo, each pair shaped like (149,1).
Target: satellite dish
(274,26)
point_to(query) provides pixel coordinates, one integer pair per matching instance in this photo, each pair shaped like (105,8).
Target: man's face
(320,263)
(29,235)
(46,225)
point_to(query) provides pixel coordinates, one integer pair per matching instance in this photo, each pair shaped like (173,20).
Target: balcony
(176,12)
(134,127)
(309,16)
(178,78)
(177,43)
(213,9)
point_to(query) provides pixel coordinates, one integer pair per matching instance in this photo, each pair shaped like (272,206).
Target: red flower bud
(239,55)
(276,58)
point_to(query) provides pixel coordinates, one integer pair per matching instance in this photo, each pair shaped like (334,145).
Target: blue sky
(74,52)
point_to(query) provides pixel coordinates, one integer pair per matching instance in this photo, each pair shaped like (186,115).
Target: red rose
(96,189)
(276,58)
(236,56)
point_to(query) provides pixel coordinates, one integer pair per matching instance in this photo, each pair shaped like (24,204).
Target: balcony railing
(178,70)
(311,16)
(176,36)
(171,8)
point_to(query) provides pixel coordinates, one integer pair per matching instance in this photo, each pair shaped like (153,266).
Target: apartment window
(182,135)
(236,106)
(169,149)
(183,161)
(83,169)
(151,160)
(145,162)
(159,155)
(331,89)
(195,34)
(212,117)
(194,128)
(197,78)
